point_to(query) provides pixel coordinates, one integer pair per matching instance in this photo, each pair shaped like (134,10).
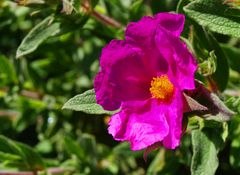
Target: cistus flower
(145,76)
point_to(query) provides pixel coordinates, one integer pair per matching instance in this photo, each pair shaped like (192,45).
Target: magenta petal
(106,95)
(186,65)
(141,33)
(141,123)
(174,23)
(174,116)
(122,76)
(182,63)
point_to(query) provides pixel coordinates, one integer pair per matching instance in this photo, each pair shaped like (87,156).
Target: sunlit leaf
(86,102)
(206,146)
(38,35)
(211,14)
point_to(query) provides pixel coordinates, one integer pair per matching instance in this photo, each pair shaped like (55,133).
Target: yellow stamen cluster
(162,88)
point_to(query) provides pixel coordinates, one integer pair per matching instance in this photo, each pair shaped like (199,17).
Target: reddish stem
(102,18)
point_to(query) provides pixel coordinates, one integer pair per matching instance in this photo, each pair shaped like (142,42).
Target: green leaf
(180,5)
(86,102)
(88,143)
(6,68)
(166,5)
(234,153)
(84,148)
(73,147)
(20,155)
(9,146)
(204,43)
(137,9)
(123,149)
(211,14)
(123,156)
(234,103)
(163,164)
(93,3)
(77,4)
(206,145)
(234,129)
(233,55)
(157,164)
(38,35)
(7,156)
(32,159)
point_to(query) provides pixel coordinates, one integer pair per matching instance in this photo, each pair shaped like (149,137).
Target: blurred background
(58,59)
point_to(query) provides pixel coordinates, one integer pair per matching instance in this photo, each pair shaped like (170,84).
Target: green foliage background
(49,53)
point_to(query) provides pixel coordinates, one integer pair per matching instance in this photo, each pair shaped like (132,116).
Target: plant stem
(102,18)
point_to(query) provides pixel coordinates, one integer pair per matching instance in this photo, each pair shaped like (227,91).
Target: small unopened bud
(209,66)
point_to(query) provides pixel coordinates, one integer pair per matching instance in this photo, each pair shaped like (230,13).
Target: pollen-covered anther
(162,88)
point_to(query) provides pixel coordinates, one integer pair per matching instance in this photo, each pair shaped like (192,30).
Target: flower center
(162,88)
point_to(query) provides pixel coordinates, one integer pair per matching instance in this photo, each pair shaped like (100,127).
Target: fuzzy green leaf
(86,102)
(212,15)
(38,35)
(206,146)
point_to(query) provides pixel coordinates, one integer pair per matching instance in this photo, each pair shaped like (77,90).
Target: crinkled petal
(141,123)
(148,122)
(174,23)
(174,116)
(158,38)
(143,31)
(142,35)
(122,76)
(183,64)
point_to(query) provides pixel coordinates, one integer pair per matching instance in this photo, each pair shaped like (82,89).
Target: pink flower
(145,75)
